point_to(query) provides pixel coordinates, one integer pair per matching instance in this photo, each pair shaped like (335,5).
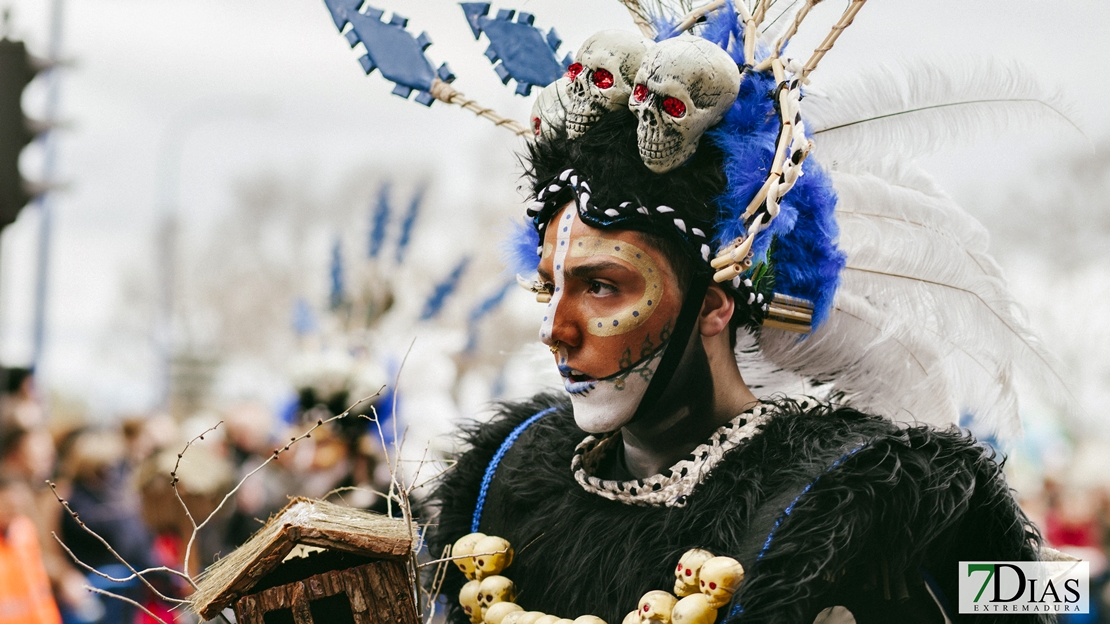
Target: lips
(575,381)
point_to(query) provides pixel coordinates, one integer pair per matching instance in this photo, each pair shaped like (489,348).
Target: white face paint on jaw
(614,303)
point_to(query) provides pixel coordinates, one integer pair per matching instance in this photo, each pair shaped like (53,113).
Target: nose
(559,326)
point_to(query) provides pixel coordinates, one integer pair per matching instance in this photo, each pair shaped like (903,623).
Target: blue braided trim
(738,609)
(497,457)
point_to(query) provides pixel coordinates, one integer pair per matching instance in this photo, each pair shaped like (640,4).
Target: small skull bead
(655,607)
(468,598)
(633,617)
(588,619)
(495,589)
(497,612)
(693,609)
(547,619)
(686,574)
(461,551)
(492,555)
(719,578)
(527,617)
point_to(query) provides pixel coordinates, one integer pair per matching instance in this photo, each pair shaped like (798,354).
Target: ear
(716,311)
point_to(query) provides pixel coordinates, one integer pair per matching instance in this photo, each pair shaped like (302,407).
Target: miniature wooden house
(357,570)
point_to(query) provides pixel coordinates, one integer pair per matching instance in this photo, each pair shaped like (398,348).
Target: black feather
(912,500)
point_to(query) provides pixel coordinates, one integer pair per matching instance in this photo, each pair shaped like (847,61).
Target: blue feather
(407,225)
(443,290)
(519,248)
(379,220)
(335,297)
(482,309)
(805,258)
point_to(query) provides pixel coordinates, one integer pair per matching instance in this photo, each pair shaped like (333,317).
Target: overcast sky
(236,87)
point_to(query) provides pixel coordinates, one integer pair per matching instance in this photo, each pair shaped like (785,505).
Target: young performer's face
(615,300)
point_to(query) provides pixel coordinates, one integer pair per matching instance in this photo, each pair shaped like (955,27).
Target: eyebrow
(586,269)
(589,268)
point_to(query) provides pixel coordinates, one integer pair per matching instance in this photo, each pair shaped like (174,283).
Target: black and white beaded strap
(673,488)
(570,184)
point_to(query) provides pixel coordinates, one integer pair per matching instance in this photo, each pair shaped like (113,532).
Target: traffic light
(17,69)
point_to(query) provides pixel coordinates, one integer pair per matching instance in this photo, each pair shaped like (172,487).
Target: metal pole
(45,200)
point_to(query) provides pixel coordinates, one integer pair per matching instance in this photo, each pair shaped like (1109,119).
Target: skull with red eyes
(601,77)
(684,85)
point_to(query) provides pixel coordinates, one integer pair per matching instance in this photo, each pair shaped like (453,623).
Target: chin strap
(679,340)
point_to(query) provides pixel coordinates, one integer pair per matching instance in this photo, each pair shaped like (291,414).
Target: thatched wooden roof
(305,522)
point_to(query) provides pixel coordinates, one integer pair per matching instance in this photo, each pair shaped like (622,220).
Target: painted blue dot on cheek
(599,324)
(564,229)
(634,313)
(649,301)
(615,322)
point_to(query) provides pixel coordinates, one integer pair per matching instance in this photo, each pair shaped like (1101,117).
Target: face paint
(611,312)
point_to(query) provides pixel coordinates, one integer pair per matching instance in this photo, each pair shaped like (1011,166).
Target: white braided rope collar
(672,488)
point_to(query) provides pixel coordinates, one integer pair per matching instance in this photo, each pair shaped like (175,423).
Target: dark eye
(601,288)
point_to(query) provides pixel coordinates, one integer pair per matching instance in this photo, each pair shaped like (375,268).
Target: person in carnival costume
(694,263)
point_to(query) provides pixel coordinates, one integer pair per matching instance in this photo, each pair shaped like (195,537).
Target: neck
(706,392)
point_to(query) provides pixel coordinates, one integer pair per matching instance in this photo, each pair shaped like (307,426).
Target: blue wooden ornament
(390,49)
(525,53)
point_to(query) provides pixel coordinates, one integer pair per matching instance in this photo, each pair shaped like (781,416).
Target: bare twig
(352,488)
(437,580)
(104,592)
(276,453)
(173,478)
(104,542)
(124,579)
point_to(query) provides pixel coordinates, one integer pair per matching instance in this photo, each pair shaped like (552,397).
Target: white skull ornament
(549,112)
(693,609)
(601,77)
(686,573)
(495,589)
(719,578)
(468,598)
(492,554)
(498,610)
(684,85)
(462,550)
(655,607)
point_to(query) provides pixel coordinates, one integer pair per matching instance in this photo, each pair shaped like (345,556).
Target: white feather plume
(922,106)
(922,328)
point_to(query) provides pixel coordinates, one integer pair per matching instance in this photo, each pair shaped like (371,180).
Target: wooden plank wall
(379,593)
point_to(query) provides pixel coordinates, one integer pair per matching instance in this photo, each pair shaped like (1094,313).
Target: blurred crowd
(121,512)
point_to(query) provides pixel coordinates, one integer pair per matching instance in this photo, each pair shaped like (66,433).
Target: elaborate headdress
(862,279)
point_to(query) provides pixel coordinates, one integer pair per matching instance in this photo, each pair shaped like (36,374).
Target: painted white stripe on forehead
(562,248)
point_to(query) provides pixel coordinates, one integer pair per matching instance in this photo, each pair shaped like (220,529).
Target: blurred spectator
(25,596)
(18,405)
(26,461)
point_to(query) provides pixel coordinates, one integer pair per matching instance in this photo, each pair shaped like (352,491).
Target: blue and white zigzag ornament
(390,48)
(525,53)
